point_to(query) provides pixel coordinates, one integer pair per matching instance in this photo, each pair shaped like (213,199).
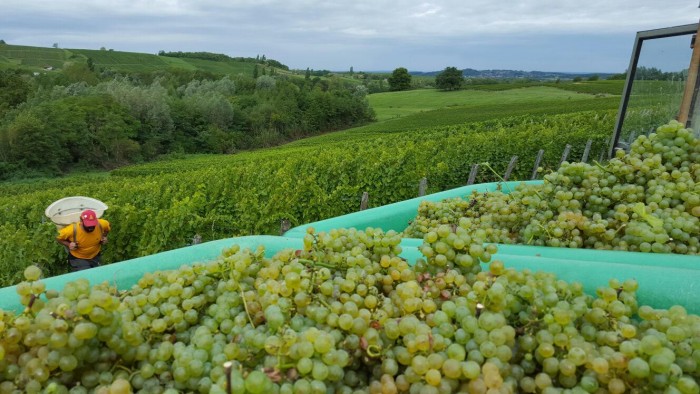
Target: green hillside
(400,112)
(38,59)
(33,58)
(396,104)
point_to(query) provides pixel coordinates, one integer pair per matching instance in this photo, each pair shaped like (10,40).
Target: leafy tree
(77,121)
(449,79)
(29,143)
(620,76)
(265,83)
(2,42)
(217,140)
(276,64)
(77,72)
(214,108)
(14,89)
(224,86)
(360,91)
(76,131)
(400,79)
(108,130)
(148,104)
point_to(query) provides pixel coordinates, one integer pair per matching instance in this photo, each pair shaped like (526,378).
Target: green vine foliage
(164,205)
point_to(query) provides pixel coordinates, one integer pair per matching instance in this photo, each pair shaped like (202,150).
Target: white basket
(67,210)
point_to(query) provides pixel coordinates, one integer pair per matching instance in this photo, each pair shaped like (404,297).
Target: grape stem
(620,228)
(549,235)
(245,306)
(323,302)
(123,368)
(316,263)
(374,351)
(487,165)
(597,164)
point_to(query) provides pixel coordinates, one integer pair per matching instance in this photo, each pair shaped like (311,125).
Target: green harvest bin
(396,216)
(126,273)
(659,286)
(665,279)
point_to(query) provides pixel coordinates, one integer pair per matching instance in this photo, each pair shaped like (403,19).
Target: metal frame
(636,50)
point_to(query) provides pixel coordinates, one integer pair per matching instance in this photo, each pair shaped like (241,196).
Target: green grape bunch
(347,314)
(647,200)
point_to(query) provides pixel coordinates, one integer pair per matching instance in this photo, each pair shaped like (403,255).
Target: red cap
(89,218)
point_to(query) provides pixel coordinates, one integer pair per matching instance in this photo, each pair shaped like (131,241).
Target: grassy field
(613,87)
(432,108)
(393,105)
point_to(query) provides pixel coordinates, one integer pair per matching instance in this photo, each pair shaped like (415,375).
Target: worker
(84,240)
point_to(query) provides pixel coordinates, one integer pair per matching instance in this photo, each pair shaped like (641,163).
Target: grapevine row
(225,196)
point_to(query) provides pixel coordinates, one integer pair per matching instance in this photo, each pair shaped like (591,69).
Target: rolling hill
(39,59)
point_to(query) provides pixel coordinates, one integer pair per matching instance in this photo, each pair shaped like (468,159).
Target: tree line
(80,119)
(219,57)
(655,74)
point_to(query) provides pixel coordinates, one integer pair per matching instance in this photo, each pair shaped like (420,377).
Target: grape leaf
(654,222)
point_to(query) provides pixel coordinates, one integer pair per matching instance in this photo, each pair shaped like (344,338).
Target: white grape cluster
(346,314)
(647,200)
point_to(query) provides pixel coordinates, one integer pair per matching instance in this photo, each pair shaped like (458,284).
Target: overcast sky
(368,35)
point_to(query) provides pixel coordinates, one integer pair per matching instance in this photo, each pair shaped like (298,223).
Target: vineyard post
(538,160)
(511,165)
(565,155)
(364,201)
(285,225)
(422,187)
(586,151)
(610,143)
(472,174)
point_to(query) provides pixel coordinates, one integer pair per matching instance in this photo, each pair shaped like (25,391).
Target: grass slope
(396,104)
(37,58)
(404,111)
(33,58)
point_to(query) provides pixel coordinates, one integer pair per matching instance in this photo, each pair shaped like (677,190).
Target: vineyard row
(228,196)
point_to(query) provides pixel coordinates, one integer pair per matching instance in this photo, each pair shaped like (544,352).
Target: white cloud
(295,28)
(426,9)
(359,31)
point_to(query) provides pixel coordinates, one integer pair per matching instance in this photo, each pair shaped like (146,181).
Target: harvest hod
(664,280)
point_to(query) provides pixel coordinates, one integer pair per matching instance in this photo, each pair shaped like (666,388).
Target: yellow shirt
(88,243)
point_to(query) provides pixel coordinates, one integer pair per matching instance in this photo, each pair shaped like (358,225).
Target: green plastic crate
(660,286)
